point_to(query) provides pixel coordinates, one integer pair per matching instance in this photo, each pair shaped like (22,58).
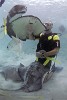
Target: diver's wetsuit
(48,42)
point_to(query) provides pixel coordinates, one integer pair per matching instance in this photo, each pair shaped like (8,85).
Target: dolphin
(31,76)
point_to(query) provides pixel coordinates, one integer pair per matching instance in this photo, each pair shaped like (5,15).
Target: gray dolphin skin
(31,75)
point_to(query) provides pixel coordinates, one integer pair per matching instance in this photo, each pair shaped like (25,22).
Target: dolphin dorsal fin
(21,65)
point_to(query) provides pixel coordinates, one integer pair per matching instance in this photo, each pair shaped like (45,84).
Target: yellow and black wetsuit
(47,42)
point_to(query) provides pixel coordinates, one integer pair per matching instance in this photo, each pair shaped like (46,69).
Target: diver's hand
(38,54)
(41,54)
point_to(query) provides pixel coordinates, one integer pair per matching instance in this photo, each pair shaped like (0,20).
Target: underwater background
(55,11)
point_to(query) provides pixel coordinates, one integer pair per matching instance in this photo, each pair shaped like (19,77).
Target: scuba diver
(1,2)
(48,46)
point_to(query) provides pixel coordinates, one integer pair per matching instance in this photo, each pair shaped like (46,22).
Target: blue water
(55,11)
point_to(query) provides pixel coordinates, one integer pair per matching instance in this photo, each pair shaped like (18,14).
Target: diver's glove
(38,54)
(41,54)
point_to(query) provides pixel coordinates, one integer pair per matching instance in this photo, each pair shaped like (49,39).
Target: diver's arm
(55,50)
(44,54)
(52,52)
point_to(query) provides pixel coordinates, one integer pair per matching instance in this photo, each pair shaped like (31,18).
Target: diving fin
(3,31)
(5,27)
